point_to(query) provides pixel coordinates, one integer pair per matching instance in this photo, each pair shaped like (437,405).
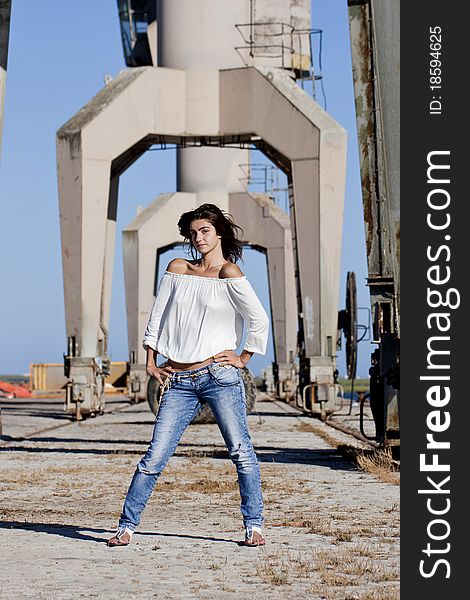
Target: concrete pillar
(202,46)
(154,229)
(311,148)
(84,188)
(93,149)
(266,226)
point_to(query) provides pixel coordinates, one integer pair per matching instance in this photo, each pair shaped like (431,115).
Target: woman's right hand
(160,373)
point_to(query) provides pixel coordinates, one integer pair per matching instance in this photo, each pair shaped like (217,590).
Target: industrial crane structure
(217,80)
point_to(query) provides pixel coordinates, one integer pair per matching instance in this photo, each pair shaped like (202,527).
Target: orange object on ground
(20,391)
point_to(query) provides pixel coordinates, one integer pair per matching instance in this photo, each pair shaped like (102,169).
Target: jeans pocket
(224,376)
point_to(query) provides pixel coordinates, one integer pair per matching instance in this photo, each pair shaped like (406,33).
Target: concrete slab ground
(332,530)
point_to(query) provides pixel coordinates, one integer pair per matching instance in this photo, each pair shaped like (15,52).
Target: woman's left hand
(229,357)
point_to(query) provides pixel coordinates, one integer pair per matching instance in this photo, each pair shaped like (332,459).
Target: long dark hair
(224,224)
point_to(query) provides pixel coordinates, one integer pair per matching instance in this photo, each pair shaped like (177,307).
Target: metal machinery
(220,81)
(375,35)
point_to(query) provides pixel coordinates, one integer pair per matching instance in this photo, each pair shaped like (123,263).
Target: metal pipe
(361,418)
(339,387)
(304,397)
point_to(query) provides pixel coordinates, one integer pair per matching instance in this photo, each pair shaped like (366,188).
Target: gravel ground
(332,531)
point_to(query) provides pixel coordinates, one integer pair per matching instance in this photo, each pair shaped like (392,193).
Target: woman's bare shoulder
(178,265)
(230,270)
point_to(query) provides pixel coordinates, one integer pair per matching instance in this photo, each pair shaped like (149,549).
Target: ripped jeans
(223,389)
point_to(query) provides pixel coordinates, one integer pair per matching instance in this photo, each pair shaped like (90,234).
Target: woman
(197,323)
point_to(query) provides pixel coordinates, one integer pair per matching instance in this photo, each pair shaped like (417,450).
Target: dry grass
(343,536)
(207,480)
(350,563)
(368,550)
(203,485)
(334,572)
(274,574)
(66,482)
(319,592)
(14,477)
(390,593)
(283,568)
(317,430)
(378,462)
(328,528)
(303,426)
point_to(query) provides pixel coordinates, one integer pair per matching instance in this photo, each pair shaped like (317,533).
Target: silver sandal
(116,539)
(249,531)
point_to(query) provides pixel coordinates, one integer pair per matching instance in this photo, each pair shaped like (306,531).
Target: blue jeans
(223,389)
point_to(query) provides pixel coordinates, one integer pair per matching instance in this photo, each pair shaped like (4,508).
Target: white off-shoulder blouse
(195,317)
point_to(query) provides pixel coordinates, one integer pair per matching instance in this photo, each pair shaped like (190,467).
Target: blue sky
(57,62)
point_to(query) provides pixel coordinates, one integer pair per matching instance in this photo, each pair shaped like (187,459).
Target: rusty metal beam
(374,30)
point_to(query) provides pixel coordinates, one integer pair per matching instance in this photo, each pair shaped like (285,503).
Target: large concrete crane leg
(311,149)
(84,188)
(266,226)
(152,231)
(110,239)
(92,151)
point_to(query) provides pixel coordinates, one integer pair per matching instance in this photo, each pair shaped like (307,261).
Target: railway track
(50,412)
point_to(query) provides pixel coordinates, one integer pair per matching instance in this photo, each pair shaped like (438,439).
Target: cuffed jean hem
(253,522)
(128,525)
